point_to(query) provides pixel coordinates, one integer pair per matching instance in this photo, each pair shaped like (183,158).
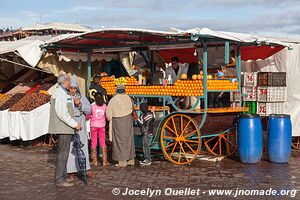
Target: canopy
(126,37)
(180,43)
(57,26)
(28,48)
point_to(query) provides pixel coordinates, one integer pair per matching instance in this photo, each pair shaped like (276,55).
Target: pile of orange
(180,87)
(105,79)
(222,85)
(109,86)
(188,88)
(131,81)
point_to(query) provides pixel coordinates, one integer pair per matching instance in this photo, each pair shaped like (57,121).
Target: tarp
(57,26)
(247,53)
(184,55)
(259,52)
(237,37)
(28,48)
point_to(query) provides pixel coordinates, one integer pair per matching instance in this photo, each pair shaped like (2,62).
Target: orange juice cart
(178,134)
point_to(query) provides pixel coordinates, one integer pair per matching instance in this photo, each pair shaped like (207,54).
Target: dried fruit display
(4,98)
(13,100)
(31,102)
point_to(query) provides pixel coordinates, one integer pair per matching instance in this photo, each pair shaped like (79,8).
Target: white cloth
(4,130)
(14,125)
(35,123)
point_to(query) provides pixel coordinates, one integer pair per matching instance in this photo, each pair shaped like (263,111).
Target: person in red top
(98,122)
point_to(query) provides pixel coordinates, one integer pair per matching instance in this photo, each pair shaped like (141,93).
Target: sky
(265,17)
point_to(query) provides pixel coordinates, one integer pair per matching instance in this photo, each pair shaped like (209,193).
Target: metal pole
(205,75)
(226,56)
(89,70)
(238,69)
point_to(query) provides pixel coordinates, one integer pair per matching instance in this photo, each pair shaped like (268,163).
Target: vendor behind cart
(176,69)
(173,72)
(230,69)
(96,87)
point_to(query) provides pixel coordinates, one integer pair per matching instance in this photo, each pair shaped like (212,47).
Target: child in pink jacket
(98,122)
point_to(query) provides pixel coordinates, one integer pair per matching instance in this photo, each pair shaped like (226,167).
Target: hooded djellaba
(119,114)
(81,109)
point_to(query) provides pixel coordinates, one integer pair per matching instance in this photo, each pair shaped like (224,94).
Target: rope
(9,61)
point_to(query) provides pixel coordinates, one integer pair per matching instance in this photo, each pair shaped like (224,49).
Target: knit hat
(120,89)
(73,81)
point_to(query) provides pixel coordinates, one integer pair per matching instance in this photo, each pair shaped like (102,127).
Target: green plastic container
(252,105)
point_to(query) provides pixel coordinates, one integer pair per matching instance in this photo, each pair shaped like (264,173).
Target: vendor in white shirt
(176,69)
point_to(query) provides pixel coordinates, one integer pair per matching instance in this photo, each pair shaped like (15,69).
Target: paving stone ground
(27,174)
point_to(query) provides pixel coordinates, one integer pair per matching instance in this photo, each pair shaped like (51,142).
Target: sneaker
(145,162)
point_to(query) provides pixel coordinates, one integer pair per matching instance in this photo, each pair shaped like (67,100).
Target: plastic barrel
(279,138)
(250,139)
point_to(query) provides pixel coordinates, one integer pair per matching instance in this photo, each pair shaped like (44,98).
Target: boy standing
(146,123)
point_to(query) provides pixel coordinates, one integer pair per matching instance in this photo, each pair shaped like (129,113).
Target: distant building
(52,29)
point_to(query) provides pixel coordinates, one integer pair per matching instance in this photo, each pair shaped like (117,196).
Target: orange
(183,76)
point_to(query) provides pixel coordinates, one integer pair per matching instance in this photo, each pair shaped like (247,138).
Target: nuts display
(4,98)
(31,102)
(13,100)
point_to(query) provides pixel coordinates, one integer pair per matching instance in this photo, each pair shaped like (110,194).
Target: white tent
(57,26)
(27,48)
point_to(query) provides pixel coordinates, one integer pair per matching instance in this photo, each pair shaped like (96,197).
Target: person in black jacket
(146,123)
(96,87)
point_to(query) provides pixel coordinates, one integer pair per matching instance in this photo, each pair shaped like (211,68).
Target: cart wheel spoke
(167,137)
(228,141)
(189,134)
(222,145)
(179,157)
(189,146)
(296,142)
(183,151)
(173,149)
(174,125)
(210,139)
(215,146)
(185,128)
(227,145)
(192,141)
(171,130)
(181,124)
(169,145)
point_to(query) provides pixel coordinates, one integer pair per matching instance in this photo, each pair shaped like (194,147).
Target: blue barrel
(279,138)
(250,138)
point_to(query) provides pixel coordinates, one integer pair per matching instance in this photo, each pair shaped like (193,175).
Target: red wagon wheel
(296,143)
(224,144)
(180,139)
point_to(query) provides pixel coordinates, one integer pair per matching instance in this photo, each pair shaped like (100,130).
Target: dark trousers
(146,146)
(63,148)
